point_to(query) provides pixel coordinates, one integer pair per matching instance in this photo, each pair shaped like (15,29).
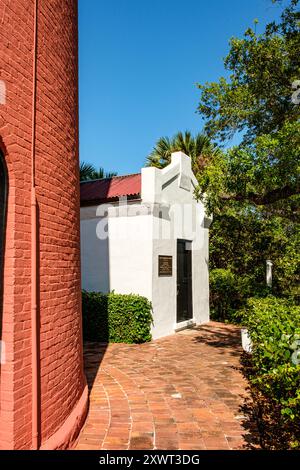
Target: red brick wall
(62,379)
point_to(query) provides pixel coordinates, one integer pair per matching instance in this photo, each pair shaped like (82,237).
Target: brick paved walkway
(179,392)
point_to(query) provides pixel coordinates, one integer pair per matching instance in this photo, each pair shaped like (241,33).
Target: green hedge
(273,369)
(116,318)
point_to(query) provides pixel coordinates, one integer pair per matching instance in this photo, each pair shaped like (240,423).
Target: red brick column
(62,384)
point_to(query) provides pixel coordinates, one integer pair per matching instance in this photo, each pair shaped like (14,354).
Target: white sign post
(269,277)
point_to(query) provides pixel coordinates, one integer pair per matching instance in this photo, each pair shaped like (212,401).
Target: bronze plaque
(165,265)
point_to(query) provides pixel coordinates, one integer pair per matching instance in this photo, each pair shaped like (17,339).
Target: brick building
(43,395)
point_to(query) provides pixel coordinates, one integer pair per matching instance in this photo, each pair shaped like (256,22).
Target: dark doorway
(184,281)
(3,197)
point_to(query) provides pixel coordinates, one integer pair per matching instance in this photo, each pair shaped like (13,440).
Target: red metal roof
(108,189)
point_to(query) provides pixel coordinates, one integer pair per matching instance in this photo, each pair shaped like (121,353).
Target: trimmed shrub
(116,318)
(273,369)
(274,326)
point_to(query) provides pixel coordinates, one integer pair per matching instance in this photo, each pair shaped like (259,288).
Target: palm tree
(200,148)
(85,171)
(89,172)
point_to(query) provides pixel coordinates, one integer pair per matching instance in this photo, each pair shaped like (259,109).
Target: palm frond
(88,172)
(199,147)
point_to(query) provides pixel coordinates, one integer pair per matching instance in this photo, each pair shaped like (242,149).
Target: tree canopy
(258,102)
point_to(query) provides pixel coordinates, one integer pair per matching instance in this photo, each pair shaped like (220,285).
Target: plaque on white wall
(165,266)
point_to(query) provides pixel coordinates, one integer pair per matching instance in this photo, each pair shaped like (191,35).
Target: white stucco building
(146,234)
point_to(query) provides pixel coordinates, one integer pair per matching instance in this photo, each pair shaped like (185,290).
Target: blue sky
(139,62)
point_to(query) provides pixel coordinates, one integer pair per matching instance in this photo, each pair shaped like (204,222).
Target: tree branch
(264,199)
